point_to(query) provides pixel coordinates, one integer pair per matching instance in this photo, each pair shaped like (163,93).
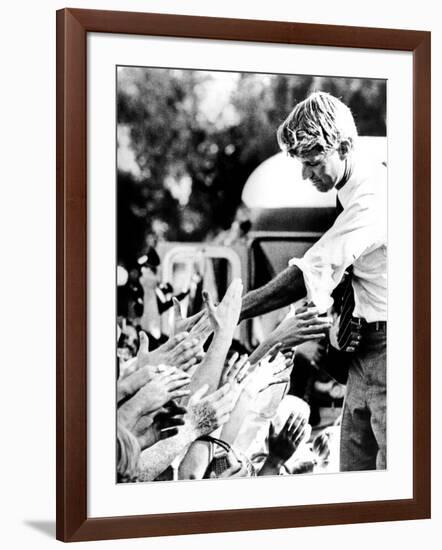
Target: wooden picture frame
(73,523)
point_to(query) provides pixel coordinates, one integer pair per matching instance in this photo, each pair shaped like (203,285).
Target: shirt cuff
(317,284)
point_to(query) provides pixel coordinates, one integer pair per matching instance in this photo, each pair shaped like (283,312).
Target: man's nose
(306,173)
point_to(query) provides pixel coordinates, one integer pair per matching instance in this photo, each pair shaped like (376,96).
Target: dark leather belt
(374,326)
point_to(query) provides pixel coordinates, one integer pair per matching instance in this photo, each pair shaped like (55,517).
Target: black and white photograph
(251,277)
(211,213)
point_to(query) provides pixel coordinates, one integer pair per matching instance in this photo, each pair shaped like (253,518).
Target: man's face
(324,170)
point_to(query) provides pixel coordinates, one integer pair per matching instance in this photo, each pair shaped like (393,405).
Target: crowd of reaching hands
(192,408)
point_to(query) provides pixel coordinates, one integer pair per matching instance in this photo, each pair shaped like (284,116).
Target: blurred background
(188,141)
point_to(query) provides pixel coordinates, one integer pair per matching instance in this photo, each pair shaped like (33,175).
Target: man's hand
(235,374)
(128,385)
(163,425)
(283,445)
(181,324)
(236,369)
(219,319)
(269,371)
(179,351)
(206,414)
(304,326)
(225,316)
(162,388)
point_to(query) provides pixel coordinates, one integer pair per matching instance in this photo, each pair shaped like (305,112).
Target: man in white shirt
(320,132)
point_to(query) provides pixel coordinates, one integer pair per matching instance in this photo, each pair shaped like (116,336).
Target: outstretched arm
(305,325)
(204,415)
(154,460)
(283,445)
(224,320)
(287,287)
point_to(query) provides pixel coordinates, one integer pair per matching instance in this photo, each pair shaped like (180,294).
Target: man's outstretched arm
(287,287)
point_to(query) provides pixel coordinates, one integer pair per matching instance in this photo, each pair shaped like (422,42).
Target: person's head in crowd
(128,453)
(320,132)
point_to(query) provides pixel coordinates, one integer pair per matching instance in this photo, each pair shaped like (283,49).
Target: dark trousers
(363,427)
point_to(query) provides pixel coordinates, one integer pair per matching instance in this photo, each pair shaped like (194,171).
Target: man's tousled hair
(317,125)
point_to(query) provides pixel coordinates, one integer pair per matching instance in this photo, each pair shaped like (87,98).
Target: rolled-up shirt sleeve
(359,229)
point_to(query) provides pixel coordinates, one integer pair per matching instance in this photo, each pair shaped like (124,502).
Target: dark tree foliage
(191,169)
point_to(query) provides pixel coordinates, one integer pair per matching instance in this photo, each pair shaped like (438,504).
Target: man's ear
(345,148)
